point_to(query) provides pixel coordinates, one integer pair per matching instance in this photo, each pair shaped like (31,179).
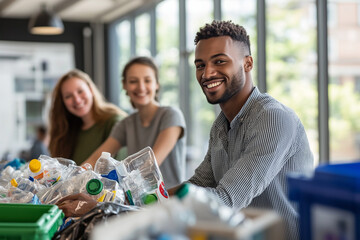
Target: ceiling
(72,10)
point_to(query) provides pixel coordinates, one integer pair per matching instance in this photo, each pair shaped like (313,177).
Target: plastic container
(28,221)
(37,171)
(25,185)
(96,189)
(73,185)
(329,201)
(106,166)
(142,177)
(9,172)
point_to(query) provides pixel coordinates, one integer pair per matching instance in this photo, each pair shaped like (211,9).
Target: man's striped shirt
(248,159)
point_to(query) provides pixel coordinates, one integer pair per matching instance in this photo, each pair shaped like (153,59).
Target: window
(142,29)
(344,97)
(291,67)
(291,63)
(167,23)
(243,12)
(123,38)
(202,113)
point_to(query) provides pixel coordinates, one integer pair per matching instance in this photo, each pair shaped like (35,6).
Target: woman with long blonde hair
(80,117)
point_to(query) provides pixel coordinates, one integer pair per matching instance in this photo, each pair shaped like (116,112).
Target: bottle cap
(182,191)
(35,165)
(149,198)
(94,186)
(14,182)
(106,155)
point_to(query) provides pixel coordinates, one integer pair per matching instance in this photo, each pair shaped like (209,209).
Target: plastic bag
(82,227)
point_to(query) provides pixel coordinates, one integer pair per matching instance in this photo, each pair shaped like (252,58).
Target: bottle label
(161,192)
(107,196)
(41,175)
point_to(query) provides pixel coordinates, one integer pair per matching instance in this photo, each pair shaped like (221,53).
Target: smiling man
(255,141)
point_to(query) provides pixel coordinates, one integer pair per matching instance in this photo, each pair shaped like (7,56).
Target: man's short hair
(224,28)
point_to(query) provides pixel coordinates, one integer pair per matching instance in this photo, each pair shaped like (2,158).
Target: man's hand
(172,191)
(76,205)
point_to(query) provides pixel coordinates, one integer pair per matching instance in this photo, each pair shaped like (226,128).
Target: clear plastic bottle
(9,172)
(37,170)
(16,195)
(143,177)
(133,185)
(95,188)
(26,185)
(106,166)
(73,170)
(72,185)
(104,190)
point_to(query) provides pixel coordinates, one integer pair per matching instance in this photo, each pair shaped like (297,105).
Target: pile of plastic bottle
(136,180)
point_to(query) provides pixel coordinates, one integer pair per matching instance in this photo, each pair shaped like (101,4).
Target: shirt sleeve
(268,146)
(204,176)
(172,117)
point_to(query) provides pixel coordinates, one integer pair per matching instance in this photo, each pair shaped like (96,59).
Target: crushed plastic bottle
(142,179)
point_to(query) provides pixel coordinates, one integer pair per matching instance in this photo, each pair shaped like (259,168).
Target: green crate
(29,221)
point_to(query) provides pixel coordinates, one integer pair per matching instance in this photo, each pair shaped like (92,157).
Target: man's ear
(248,63)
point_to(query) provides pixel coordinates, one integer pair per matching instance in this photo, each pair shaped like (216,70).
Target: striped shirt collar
(243,111)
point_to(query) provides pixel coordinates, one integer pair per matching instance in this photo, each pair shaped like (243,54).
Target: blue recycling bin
(328,201)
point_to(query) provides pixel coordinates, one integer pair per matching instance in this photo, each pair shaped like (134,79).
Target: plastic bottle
(9,172)
(25,185)
(106,167)
(133,185)
(96,189)
(143,177)
(37,171)
(72,185)
(16,195)
(3,195)
(74,170)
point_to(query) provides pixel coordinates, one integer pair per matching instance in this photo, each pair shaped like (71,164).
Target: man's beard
(236,85)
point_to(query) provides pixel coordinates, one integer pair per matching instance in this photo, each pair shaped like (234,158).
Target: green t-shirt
(90,139)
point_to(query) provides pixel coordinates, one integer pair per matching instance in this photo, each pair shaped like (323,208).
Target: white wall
(23,60)
(7,107)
